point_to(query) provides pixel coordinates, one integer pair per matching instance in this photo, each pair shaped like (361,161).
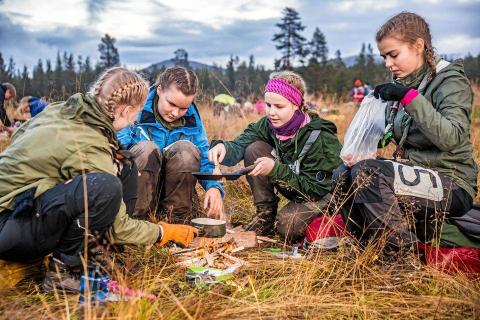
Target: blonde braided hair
(119,87)
(409,26)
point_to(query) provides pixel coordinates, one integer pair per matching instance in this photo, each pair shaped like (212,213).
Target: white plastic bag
(365,131)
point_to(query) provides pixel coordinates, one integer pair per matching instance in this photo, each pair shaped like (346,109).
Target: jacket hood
(322,124)
(86,109)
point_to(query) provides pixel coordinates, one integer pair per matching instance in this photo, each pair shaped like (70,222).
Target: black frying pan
(224,176)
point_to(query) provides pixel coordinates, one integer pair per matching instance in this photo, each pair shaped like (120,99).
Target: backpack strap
(310,141)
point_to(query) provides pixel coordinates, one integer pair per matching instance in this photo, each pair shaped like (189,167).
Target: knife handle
(245,170)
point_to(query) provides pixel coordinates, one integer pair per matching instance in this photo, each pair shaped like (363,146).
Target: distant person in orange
(358,92)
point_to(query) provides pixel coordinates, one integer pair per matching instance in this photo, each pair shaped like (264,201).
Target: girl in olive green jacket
(70,146)
(430,108)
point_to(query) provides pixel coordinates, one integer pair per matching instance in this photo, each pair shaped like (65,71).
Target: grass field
(330,285)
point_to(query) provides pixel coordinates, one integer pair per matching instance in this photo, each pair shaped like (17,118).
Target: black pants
(56,221)
(403,202)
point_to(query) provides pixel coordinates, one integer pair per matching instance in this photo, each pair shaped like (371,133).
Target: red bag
(325,232)
(451,260)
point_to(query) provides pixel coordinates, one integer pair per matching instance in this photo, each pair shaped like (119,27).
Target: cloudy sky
(210,30)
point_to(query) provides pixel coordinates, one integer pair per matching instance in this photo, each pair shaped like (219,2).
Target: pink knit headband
(285,89)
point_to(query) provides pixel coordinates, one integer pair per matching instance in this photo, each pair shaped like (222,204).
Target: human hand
(214,202)
(390,92)
(179,233)
(263,166)
(217,153)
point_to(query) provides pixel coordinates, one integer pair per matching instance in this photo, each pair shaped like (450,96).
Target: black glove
(390,92)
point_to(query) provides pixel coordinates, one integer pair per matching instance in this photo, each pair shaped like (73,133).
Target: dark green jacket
(439,135)
(314,179)
(66,140)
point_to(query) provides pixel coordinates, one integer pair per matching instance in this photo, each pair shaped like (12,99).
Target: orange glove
(178,233)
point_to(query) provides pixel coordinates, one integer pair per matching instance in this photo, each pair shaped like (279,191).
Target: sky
(210,30)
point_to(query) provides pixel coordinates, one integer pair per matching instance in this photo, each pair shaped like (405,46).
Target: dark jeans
(380,203)
(166,183)
(56,221)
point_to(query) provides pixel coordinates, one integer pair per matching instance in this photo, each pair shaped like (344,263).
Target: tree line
(71,73)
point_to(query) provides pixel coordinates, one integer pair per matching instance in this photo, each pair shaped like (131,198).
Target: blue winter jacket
(147,128)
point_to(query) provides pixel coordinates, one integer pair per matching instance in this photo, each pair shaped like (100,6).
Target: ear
(128,109)
(159,90)
(419,45)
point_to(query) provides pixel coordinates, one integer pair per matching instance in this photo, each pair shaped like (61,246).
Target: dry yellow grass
(325,286)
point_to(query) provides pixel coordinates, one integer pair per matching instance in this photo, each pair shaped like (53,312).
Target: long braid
(123,94)
(118,86)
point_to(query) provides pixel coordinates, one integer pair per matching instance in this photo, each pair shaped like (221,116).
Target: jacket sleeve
(201,142)
(236,148)
(125,136)
(315,177)
(124,230)
(448,123)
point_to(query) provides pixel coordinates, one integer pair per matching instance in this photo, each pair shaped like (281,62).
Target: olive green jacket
(66,140)
(439,135)
(314,178)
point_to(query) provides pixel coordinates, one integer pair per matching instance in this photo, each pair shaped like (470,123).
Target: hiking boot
(59,276)
(402,259)
(264,221)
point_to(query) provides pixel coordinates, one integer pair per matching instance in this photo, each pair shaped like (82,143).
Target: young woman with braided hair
(70,146)
(433,178)
(293,151)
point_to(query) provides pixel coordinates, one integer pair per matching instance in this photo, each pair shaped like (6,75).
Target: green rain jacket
(68,139)
(439,135)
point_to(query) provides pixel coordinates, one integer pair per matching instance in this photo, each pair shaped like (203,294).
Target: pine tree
(11,68)
(318,47)
(230,72)
(290,42)
(3,69)
(369,64)
(181,58)
(50,81)
(360,63)
(109,56)
(38,79)
(79,64)
(338,61)
(25,88)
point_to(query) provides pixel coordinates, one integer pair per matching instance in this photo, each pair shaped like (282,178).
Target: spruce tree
(318,47)
(290,42)
(109,56)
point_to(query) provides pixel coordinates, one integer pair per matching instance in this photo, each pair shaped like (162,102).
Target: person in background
(8,94)
(358,92)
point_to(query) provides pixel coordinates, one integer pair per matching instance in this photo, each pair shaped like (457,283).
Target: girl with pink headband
(294,153)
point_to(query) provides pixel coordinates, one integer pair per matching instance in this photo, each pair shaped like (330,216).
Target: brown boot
(264,221)
(59,276)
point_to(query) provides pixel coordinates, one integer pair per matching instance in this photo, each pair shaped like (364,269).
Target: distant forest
(71,73)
